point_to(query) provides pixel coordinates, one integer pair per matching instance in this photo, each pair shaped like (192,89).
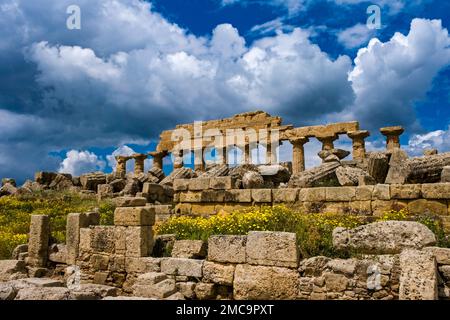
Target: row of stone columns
(298,157)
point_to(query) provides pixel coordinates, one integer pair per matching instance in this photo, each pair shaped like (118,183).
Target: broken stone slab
(91,181)
(180,173)
(61,182)
(321,176)
(37,293)
(220,170)
(418,276)
(142,264)
(10,181)
(189,249)
(21,248)
(154,285)
(134,216)
(398,167)
(239,171)
(198,184)
(8,190)
(44,178)
(427,169)
(265,283)
(222,183)
(57,253)
(227,248)
(10,267)
(205,291)
(385,237)
(187,289)
(378,166)
(132,187)
(430,152)
(272,249)
(348,176)
(7,291)
(339,154)
(182,267)
(252,180)
(42,282)
(274,173)
(90,291)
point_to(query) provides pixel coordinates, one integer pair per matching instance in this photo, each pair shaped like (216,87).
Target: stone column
(298,154)
(358,143)
(158,157)
(199,164)
(38,242)
(328,141)
(392,135)
(139,162)
(121,166)
(75,221)
(177,159)
(247,154)
(222,158)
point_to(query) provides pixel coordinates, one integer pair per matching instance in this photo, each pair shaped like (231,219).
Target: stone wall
(207,196)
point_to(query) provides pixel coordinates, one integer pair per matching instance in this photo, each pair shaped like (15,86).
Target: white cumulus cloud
(79,162)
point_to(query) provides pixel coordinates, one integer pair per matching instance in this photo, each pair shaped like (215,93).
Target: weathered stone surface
(442,255)
(398,167)
(219,170)
(275,173)
(154,285)
(436,191)
(102,239)
(139,241)
(132,187)
(378,166)
(199,184)
(218,273)
(42,282)
(21,248)
(424,206)
(44,178)
(418,277)
(158,173)
(384,237)
(142,264)
(227,249)
(10,267)
(427,169)
(190,249)
(272,249)
(285,195)
(180,173)
(238,195)
(34,293)
(445,174)
(321,176)
(181,184)
(182,267)
(61,182)
(312,194)
(38,242)
(11,181)
(7,190)
(340,193)
(134,216)
(104,191)
(205,291)
(74,222)
(187,289)
(92,180)
(118,185)
(408,191)
(252,180)
(130,201)
(313,266)
(364,193)
(90,291)
(7,291)
(381,192)
(445,272)
(265,283)
(348,176)
(222,183)
(57,253)
(430,152)
(262,195)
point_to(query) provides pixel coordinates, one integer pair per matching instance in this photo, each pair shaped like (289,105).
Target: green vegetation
(15,215)
(314,231)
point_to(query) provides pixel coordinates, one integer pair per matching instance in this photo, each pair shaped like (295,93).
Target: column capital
(298,140)
(392,131)
(358,134)
(139,156)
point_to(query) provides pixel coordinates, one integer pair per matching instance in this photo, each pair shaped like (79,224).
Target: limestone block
(252,180)
(262,195)
(183,208)
(75,221)
(424,206)
(139,241)
(340,193)
(134,216)
(222,183)
(90,291)
(182,267)
(238,195)
(418,277)
(181,184)
(85,239)
(364,193)
(363,208)
(272,249)
(312,194)
(130,201)
(187,289)
(285,195)
(38,241)
(199,184)
(378,166)
(154,285)
(190,249)
(10,267)
(227,248)
(379,207)
(265,283)
(384,237)
(445,174)
(91,181)
(436,191)
(102,239)
(57,253)
(203,209)
(142,264)
(407,191)
(442,255)
(381,192)
(191,197)
(99,262)
(218,273)
(213,195)
(52,293)
(205,291)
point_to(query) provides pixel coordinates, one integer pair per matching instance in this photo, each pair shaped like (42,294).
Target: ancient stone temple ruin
(127,260)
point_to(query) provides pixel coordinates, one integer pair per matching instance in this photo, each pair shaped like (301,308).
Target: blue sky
(69,99)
